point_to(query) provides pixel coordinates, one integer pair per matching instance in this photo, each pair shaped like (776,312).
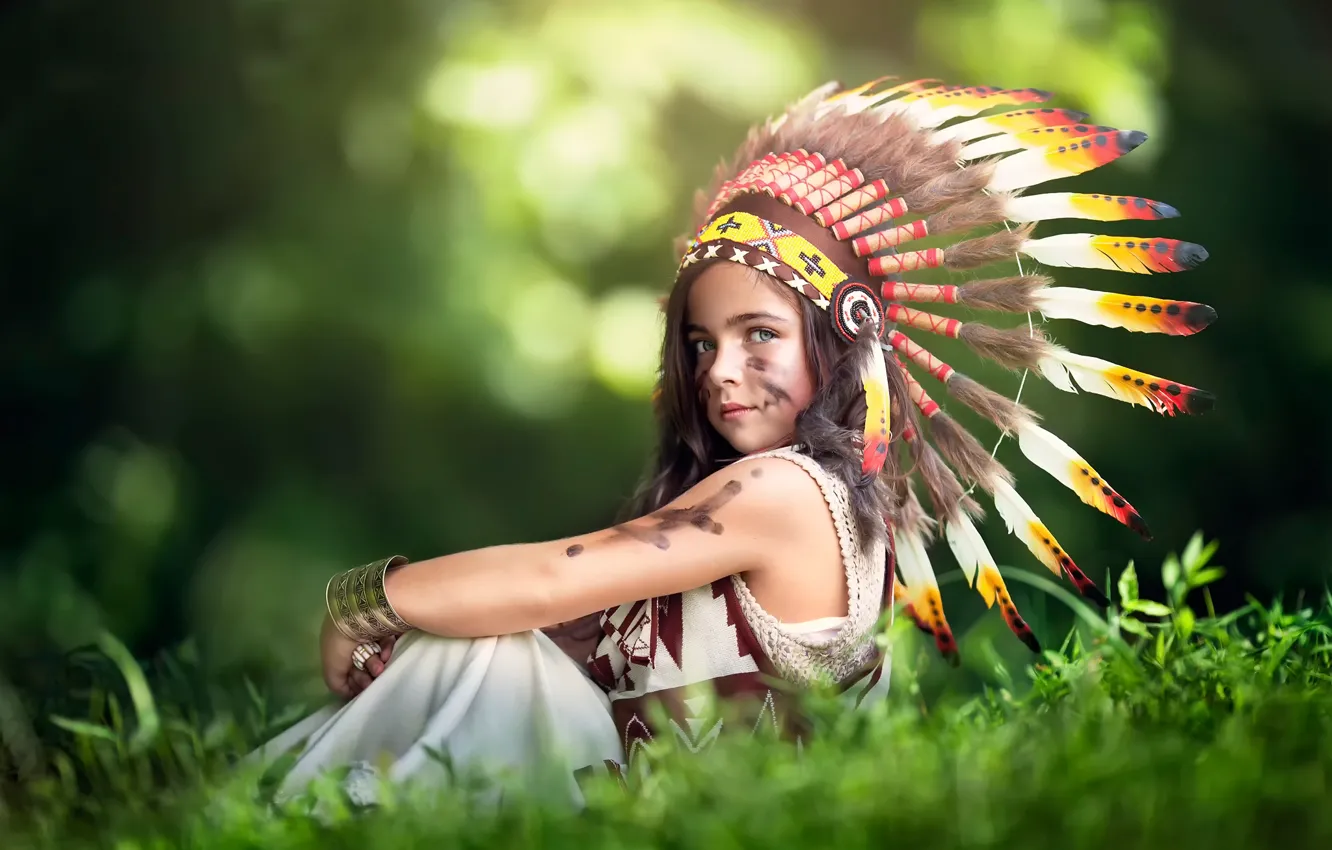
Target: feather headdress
(828,199)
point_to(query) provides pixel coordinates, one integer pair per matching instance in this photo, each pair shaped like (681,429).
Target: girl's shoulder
(795,468)
(795,492)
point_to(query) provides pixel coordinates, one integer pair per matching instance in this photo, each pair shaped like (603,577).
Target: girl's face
(748,344)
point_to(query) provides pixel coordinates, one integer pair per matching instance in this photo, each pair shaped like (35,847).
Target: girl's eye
(702,346)
(762,335)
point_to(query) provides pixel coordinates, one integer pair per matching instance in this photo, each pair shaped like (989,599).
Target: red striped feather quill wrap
(922,358)
(872,217)
(941,325)
(920,293)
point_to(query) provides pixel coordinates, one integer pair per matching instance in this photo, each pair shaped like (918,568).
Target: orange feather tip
(1020,628)
(1011,123)
(1086,586)
(1027,119)
(1130,312)
(1028,528)
(1062,159)
(1091,207)
(1167,255)
(1193,400)
(1116,506)
(1192,317)
(1169,397)
(1035,137)
(1126,207)
(1094,491)
(874,455)
(914,616)
(1066,466)
(902,595)
(992,589)
(947,647)
(930,604)
(1137,255)
(1073,372)
(1107,146)
(980,95)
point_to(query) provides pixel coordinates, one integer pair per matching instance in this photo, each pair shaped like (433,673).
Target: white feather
(1028,168)
(1079,305)
(1070,372)
(1053,455)
(916,108)
(968,547)
(946,109)
(817,96)
(1056,205)
(1046,207)
(993,146)
(1073,250)
(1020,518)
(966,131)
(852,103)
(902,107)
(938,116)
(912,561)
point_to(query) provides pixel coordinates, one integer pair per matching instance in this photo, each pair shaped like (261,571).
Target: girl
(766,542)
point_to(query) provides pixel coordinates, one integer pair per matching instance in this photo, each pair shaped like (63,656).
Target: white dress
(515,704)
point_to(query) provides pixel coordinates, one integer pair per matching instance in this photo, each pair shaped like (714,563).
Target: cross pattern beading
(812,264)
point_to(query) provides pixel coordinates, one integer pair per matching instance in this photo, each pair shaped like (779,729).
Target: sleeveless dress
(517,706)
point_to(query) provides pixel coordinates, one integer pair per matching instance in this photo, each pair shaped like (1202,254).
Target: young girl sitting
(782,518)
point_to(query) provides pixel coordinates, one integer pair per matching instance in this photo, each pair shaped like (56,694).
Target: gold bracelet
(366,622)
(343,616)
(358,605)
(383,607)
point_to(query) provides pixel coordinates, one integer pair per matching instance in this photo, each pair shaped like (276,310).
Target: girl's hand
(335,651)
(340,675)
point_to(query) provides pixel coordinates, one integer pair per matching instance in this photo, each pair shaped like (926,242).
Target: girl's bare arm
(735,521)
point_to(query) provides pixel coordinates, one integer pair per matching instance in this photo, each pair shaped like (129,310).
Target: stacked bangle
(357,604)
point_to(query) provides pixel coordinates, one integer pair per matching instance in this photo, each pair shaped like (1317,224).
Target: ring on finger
(363,653)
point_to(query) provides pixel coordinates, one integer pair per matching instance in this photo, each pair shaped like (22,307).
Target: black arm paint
(668,519)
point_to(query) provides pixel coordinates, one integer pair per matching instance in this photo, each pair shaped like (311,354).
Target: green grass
(1158,722)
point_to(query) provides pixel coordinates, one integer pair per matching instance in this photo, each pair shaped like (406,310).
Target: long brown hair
(689,449)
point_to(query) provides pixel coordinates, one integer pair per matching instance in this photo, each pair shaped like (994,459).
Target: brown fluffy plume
(983,250)
(1014,348)
(1003,294)
(891,150)
(912,516)
(946,492)
(899,397)
(950,187)
(999,409)
(967,214)
(965,453)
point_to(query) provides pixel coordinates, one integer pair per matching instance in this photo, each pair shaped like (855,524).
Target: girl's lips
(732,411)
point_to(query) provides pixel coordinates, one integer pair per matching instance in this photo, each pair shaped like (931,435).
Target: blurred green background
(290,286)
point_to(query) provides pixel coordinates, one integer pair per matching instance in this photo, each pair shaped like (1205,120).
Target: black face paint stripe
(777,393)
